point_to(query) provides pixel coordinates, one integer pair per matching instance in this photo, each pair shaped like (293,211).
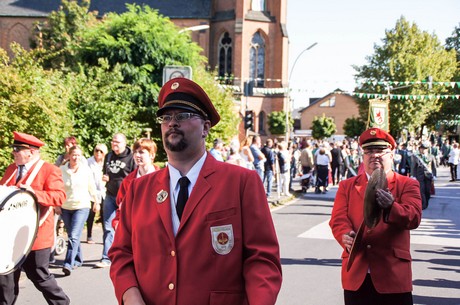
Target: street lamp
(289,91)
(195,28)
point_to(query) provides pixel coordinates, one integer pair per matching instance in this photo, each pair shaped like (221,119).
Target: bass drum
(19,217)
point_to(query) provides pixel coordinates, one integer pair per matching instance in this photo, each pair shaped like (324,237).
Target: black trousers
(367,295)
(36,268)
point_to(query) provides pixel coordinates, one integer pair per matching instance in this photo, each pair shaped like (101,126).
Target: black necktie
(21,169)
(183,195)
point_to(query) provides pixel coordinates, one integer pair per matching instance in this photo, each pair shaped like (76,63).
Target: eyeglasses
(376,152)
(179,117)
(98,151)
(18,148)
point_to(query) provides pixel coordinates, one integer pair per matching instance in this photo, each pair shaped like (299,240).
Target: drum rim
(26,253)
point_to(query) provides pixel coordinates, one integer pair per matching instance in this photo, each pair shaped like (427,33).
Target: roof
(174,9)
(318,100)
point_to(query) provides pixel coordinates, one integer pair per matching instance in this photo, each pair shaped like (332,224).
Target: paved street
(311,257)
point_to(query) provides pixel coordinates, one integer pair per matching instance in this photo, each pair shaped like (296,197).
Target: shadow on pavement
(422,300)
(311,261)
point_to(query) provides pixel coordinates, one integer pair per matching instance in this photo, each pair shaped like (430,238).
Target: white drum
(19,215)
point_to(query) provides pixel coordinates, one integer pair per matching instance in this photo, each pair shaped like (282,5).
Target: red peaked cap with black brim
(183,93)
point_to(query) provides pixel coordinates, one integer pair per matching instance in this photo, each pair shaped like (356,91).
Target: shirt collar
(192,175)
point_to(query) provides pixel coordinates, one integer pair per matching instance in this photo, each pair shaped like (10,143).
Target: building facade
(245,41)
(337,105)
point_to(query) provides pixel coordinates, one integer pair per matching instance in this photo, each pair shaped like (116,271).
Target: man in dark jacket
(117,165)
(336,163)
(270,165)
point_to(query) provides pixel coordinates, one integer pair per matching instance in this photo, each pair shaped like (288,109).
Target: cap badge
(161,196)
(174,86)
(373,133)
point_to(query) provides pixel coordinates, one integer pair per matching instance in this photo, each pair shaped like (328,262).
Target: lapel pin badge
(161,196)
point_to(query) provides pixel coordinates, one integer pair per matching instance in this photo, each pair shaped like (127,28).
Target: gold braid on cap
(188,104)
(377,143)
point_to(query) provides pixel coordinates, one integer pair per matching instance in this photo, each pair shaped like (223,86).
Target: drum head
(19,216)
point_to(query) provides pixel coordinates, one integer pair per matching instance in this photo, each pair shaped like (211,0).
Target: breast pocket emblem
(222,239)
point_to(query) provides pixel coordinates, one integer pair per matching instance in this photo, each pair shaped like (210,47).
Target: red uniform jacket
(385,249)
(122,193)
(226,250)
(49,190)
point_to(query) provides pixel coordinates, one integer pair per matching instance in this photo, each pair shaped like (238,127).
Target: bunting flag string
(409,83)
(413,97)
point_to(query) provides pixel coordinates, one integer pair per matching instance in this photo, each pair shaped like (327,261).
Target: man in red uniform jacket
(221,248)
(381,271)
(48,187)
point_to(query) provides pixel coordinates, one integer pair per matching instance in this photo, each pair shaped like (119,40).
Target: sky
(345,32)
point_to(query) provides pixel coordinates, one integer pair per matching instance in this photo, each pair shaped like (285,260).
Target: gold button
(369,231)
(173,253)
(171,286)
(369,246)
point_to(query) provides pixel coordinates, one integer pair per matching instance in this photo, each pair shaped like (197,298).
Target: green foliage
(323,127)
(222,100)
(101,106)
(59,38)
(353,127)
(141,42)
(277,122)
(33,101)
(450,110)
(407,54)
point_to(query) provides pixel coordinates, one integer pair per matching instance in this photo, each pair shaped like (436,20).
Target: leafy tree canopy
(407,54)
(121,59)
(354,127)
(323,127)
(33,101)
(277,122)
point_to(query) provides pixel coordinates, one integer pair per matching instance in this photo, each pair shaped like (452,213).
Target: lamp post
(195,28)
(289,91)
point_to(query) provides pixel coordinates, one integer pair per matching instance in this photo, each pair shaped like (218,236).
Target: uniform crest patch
(222,239)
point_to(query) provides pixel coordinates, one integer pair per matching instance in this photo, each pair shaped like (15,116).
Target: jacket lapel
(202,186)
(161,180)
(361,184)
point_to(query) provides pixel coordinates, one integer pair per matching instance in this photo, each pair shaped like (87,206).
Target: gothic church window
(225,55)
(257,60)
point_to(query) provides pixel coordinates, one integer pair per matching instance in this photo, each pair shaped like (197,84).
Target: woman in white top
(323,162)
(454,156)
(80,190)
(246,153)
(95,163)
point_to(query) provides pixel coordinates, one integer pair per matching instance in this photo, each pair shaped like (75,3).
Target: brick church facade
(244,41)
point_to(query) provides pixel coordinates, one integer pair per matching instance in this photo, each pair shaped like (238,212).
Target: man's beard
(179,146)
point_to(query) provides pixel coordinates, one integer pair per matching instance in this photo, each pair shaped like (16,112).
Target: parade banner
(378,115)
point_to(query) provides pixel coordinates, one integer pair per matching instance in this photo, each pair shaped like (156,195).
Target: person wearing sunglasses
(96,163)
(380,273)
(198,231)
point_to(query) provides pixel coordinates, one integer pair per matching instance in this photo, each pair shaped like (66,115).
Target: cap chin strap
(377,143)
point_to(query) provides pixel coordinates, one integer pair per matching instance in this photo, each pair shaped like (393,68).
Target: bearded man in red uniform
(221,246)
(381,272)
(48,187)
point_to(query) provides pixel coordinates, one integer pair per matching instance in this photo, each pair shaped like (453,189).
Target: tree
(407,54)
(137,44)
(277,122)
(100,106)
(323,127)
(58,39)
(448,117)
(354,127)
(33,101)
